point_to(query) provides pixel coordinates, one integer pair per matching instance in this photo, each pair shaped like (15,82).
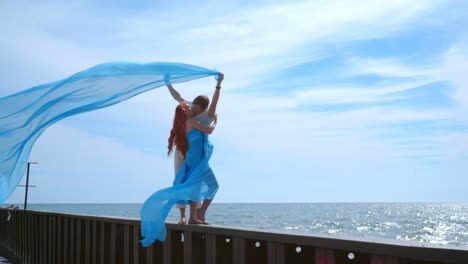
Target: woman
(178,140)
(194,182)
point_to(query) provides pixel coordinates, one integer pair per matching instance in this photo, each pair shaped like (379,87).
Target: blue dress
(195,181)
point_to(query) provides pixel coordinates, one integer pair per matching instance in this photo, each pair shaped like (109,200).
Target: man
(205,114)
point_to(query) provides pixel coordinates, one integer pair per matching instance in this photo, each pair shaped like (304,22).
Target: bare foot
(195,221)
(182,221)
(202,218)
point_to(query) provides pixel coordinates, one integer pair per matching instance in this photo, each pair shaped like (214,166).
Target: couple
(194,183)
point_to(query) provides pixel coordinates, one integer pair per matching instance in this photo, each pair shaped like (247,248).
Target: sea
(438,223)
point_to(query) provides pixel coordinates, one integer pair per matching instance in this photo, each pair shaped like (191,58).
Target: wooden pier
(44,237)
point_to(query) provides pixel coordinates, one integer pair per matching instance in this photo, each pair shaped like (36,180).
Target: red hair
(178,131)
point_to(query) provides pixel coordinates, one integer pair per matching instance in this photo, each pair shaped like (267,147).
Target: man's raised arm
(174,93)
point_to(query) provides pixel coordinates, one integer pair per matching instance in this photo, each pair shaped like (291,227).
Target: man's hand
(167,79)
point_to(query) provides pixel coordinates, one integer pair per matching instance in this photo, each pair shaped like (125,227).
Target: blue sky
(323,101)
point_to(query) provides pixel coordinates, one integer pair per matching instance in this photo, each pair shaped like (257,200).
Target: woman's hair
(203,101)
(178,131)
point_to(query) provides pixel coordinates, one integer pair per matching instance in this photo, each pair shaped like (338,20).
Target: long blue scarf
(25,115)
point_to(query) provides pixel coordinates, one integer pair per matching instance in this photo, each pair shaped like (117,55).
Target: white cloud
(388,68)
(246,44)
(455,63)
(354,94)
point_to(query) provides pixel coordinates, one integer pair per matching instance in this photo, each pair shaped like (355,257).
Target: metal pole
(27,185)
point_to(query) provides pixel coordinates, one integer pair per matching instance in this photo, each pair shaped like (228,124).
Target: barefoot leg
(202,211)
(182,220)
(193,214)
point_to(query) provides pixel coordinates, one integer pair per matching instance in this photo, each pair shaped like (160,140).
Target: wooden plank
(54,240)
(37,237)
(126,246)
(324,256)
(2,229)
(28,237)
(167,247)
(101,240)
(210,249)
(49,239)
(23,236)
(18,240)
(78,240)
(149,253)
(66,231)
(25,239)
(187,247)
(25,233)
(383,260)
(86,242)
(113,252)
(238,250)
(275,253)
(18,236)
(32,237)
(58,245)
(94,242)
(136,243)
(44,239)
(72,240)
(61,232)
(38,240)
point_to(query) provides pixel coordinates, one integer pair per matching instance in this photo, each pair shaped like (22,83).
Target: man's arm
(196,124)
(214,100)
(174,93)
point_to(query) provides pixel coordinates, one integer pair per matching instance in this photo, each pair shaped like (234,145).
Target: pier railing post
(187,247)
(238,250)
(275,253)
(87,241)
(324,256)
(210,248)
(136,243)
(126,246)
(167,246)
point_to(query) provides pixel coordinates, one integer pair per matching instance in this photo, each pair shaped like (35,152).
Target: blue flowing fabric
(25,115)
(194,181)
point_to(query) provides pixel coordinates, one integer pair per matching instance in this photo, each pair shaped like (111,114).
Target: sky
(323,101)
